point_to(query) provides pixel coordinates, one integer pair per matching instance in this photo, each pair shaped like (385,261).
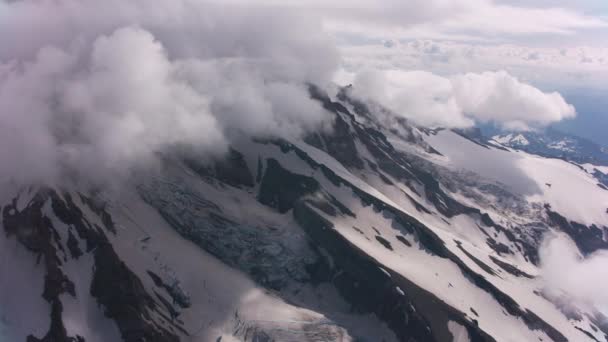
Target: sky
(91,88)
(559,46)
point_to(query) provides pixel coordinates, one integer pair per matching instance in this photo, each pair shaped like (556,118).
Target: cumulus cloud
(567,274)
(421,96)
(461,100)
(93,88)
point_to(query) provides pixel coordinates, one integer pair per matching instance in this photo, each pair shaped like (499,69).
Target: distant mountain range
(552,143)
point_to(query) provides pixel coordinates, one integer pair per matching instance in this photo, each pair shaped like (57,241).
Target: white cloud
(421,96)
(499,97)
(491,18)
(95,88)
(567,274)
(96,85)
(480,18)
(553,67)
(482,35)
(461,100)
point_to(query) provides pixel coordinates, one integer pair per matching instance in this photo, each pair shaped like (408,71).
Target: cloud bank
(92,88)
(461,100)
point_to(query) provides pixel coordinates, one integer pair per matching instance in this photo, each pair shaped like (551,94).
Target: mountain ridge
(368,232)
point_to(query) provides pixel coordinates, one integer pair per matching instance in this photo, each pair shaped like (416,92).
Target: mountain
(376,230)
(555,144)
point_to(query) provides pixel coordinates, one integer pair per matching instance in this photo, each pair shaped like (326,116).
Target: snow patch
(459,332)
(511,139)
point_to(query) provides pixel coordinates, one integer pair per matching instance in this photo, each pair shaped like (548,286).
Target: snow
(23,311)
(569,190)
(503,139)
(218,293)
(82,315)
(24,198)
(223,297)
(590,168)
(561,145)
(572,193)
(440,276)
(518,139)
(445,279)
(437,275)
(323,158)
(458,331)
(385,272)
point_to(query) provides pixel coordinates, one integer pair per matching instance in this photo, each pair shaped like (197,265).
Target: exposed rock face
(280,188)
(362,281)
(340,143)
(124,298)
(588,239)
(231,169)
(35,232)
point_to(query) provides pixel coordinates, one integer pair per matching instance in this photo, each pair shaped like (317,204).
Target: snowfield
(564,186)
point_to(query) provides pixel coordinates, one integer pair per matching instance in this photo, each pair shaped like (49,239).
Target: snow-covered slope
(564,186)
(364,233)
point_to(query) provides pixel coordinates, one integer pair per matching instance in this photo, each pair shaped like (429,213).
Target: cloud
(461,100)
(421,96)
(91,87)
(567,274)
(554,68)
(495,20)
(501,98)
(94,88)
(483,19)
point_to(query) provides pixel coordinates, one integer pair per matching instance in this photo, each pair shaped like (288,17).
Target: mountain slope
(373,231)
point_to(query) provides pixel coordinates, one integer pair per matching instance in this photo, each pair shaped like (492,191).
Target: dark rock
(36,232)
(281,188)
(173,290)
(403,240)
(479,263)
(590,335)
(510,268)
(499,247)
(75,251)
(384,242)
(361,281)
(230,169)
(124,298)
(587,238)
